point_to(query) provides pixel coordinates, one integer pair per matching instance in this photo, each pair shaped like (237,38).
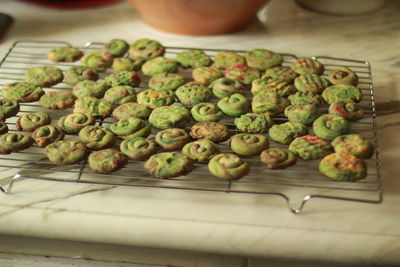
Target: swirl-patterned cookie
(353,144)
(206,112)
(74,122)
(214,131)
(302,113)
(253,123)
(201,150)
(330,126)
(131,109)
(3,128)
(168,164)
(66,152)
(97,137)
(22,92)
(31,121)
(343,167)
(172,138)
(310,147)
(130,128)
(246,144)
(13,142)
(224,87)
(44,76)
(169,116)
(57,100)
(278,158)
(138,148)
(234,105)
(348,110)
(107,160)
(45,135)
(343,75)
(228,166)
(8,108)
(193,93)
(262,59)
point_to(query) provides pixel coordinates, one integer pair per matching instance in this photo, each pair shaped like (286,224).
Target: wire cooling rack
(296,185)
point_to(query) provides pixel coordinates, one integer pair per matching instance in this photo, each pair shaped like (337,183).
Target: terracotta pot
(198,17)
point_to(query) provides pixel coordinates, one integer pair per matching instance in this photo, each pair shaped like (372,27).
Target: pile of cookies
(251,89)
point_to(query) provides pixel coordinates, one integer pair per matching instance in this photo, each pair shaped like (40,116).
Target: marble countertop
(249,225)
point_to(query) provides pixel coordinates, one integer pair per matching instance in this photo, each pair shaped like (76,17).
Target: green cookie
(254,123)
(31,121)
(262,59)
(99,61)
(89,88)
(234,105)
(166,81)
(348,110)
(214,131)
(45,135)
(14,142)
(282,88)
(154,99)
(130,78)
(224,87)
(74,122)
(342,93)
(144,49)
(3,128)
(116,47)
(201,150)
(130,128)
(228,166)
(312,83)
(330,126)
(305,98)
(132,109)
(66,152)
(126,64)
(310,147)
(306,65)
(57,100)
(225,59)
(159,65)
(286,132)
(120,95)
(242,73)
(206,112)
(77,74)
(138,148)
(172,138)
(64,54)
(278,158)
(343,167)
(44,76)
(206,75)
(246,144)
(193,93)
(169,116)
(193,59)
(281,74)
(353,144)
(168,164)
(93,106)
(97,137)
(107,160)
(343,75)
(302,113)
(22,92)
(269,102)
(8,109)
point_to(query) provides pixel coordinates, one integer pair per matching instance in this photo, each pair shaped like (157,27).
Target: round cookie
(348,110)
(174,116)
(206,75)
(126,64)
(44,76)
(225,59)
(310,147)
(342,93)
(74,122)
(242,73)
(47,134)
(107,160)
(93,106)
(120,95)
(144,49)
(8,109)
(228,166)
(269,102)
(343,75)
(57,100)
(66,152)
(281,74)
(97,137)
(116,47)
(159,65)
(307,65)
(214,131)
(353,144)
(138,148)
(282,88)
(193,59)
(172,138)
(312,83)
(305,98)
(203,112)
(22,92)
(130,78)
(13,142)
(330,126)
(77,74)
(130,127)
(302,113)
(131,109)
(234,105)
(166,81)
(31,121)
(286,132)
(89,88)
(278,158)
(98,61)
(168,165)
(193,93)
(246,144)
(254,123)
(343,167)
(154,99)
(3,128)
(224,87)
(64,54)
(201,150)
(262,59)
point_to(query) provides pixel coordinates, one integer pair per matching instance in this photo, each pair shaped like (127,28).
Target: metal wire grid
(296,184)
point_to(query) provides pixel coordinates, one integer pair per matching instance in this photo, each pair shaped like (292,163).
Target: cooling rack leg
(299,209)
(10,185)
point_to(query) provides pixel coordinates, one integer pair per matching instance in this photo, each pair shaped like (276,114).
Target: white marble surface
(222,223)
